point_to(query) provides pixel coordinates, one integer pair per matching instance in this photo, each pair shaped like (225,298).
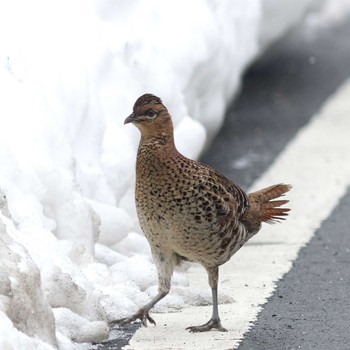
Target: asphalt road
(310,308)
(280,93)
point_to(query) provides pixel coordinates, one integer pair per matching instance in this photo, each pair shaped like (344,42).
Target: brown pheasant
(189,211)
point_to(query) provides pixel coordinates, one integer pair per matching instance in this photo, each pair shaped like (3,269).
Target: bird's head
(150,116)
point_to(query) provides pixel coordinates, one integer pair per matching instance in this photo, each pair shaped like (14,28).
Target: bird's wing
(224,199)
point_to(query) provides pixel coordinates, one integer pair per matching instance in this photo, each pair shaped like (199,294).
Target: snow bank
(70,72)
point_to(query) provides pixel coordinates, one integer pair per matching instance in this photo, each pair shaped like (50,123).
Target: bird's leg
(165,269)
(143,313)
(214,322)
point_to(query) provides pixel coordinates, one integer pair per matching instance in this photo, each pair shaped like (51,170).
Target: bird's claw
(212,323)
(141,315)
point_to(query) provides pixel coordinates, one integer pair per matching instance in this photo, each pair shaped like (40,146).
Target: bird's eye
(151,113)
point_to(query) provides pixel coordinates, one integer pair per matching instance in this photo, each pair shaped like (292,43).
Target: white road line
(317,163)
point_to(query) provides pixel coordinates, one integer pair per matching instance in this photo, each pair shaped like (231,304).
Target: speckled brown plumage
(189,211)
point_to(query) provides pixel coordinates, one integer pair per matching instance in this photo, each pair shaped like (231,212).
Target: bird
(188,211)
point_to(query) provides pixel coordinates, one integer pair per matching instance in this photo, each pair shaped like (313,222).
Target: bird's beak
(129,119)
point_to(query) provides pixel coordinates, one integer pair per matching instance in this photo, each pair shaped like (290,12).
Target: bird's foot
(212,323)
(141,315)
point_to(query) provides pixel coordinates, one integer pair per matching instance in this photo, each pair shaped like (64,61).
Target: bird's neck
(160,145)
(158,140)
(158,137)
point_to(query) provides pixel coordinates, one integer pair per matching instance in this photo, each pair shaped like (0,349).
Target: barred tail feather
(270,209)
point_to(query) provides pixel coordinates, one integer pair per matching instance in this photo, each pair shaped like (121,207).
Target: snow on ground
(72,256)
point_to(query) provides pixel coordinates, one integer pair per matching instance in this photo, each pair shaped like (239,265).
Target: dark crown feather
(147,99)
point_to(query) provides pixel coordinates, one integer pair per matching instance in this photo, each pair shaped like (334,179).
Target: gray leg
(165,266)
(214,322)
